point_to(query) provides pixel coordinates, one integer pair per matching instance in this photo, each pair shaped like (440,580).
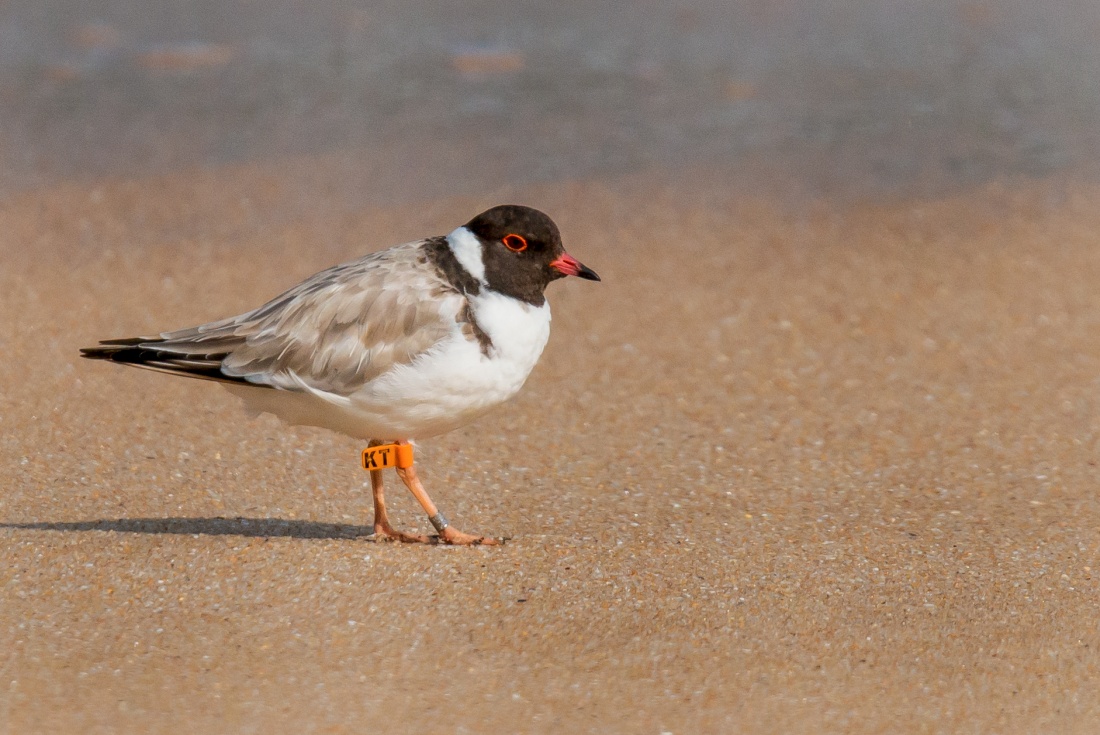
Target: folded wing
(333,332)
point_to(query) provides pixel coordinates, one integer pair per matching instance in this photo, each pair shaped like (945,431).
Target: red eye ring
(515,243)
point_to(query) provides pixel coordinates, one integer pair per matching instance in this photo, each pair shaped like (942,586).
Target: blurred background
(820,454)
(417,99)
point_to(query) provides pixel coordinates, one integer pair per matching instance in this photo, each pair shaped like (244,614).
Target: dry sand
(812,468)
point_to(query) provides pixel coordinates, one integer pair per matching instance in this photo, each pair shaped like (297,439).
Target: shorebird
(402,344)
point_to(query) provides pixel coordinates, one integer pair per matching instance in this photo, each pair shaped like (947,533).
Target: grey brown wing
(333,332)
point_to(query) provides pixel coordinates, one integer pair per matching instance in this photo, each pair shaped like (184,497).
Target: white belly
(448,386)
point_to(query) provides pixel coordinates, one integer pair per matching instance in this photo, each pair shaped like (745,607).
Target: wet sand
(802,467)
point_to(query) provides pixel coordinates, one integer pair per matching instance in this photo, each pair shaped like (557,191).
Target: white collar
(467,250)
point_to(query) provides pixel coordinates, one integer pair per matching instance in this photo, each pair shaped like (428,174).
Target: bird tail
(178,357)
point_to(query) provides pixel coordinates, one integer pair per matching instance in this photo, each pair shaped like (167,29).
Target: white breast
(517,330)
(455,382)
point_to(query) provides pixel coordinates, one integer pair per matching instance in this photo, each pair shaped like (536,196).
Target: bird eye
(515,243)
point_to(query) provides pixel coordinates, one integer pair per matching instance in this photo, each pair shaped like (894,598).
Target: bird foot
(385,532)
(455,537)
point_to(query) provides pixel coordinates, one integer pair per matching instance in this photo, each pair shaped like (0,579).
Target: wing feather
(331,333)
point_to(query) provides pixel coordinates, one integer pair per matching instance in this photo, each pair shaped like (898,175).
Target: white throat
(467,249)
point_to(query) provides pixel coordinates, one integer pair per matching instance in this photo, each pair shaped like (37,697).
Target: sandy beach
(792,467)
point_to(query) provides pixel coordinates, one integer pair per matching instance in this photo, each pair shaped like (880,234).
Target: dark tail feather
(142,352)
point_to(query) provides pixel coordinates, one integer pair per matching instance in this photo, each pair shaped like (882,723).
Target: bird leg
(447,534)
(382,528)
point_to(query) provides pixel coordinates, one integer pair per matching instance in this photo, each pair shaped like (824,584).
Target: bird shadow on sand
(253,527)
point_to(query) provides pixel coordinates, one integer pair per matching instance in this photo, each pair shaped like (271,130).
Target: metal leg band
(439,522)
